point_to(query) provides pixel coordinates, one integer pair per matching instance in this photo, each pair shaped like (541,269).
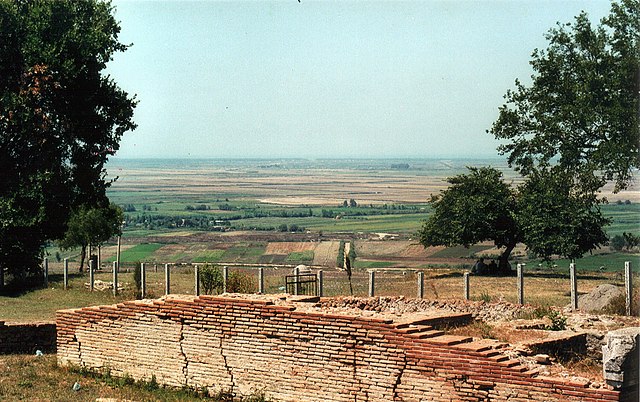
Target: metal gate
(302,284)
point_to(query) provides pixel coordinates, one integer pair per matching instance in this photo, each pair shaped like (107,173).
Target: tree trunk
(504,268)
(82,256)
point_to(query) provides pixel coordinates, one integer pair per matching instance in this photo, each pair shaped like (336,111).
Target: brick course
(295,355)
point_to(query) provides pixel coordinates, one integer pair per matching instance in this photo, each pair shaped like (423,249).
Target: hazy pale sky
(326,79)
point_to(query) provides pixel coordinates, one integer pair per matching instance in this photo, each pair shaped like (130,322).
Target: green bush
(240,282)
(558,321)
(210,279)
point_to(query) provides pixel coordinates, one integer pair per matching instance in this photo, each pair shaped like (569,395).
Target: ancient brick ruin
(294,352)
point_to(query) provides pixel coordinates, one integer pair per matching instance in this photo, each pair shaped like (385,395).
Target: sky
(326,79)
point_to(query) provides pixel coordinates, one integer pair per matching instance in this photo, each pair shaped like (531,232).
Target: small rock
(76,386)
(542,359)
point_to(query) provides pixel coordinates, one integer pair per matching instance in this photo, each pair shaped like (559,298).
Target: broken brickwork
(298,354)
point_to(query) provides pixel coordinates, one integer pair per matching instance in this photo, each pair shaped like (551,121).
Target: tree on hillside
(60,119)
(91,226)
(477,207)
(580,114)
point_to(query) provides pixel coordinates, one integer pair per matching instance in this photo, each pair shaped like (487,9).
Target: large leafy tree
(580,114)
(476,207)
(543,213)
(60,119)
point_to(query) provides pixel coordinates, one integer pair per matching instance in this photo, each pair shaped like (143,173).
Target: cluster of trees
(626,241)
(575,128)
(290,228)
(201,207)
(60,119)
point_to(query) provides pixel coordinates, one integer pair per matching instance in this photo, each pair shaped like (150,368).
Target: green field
(139,252)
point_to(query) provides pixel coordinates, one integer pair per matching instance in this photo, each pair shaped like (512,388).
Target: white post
(225,278)
(143,281)
(296,289)
(628,284)
(520,283)
(99,256)
(167,279)
(91,267)
(420,285)
(115,278)
(118,252)
(45,265)
(197,279)
(372,283)
(320,290)
(574,286)
(65,281)
(261,280)
(465,279)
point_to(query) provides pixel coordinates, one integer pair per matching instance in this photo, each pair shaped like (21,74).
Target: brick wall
(294,354)
(27,338)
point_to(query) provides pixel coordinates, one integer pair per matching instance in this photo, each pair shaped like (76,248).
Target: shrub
(210,279)
(240,282)
(558,321)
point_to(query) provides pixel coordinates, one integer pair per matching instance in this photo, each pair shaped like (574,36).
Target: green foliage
(557,220)
(631,241)
(478,206)
(300,256)
(581,111)
(617,243)
(340,256)
(60,119)
(558,321)
(240,282)
(211,279)
(352,253)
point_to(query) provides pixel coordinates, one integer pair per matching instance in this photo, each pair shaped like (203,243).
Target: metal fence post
(628,284)
(261,280)
(574,286)
(65,274)
(420,285)
(372,283)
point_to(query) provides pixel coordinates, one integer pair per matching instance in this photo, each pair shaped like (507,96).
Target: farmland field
(297,211)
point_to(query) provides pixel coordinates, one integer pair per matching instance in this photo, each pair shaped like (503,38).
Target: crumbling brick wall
(297,355)
(27,337)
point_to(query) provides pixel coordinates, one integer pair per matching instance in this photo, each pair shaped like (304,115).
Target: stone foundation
(293,352)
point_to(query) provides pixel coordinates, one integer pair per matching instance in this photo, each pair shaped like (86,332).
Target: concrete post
(99,256)
(196,271)
(65,274)
(45,266)
(296,273)
(167,279)
(115,278)
(143,281)
(372,283)
(155,268)
(465,279)
(420,285)
(574,286)
(520,283)
(320,290)
(91,268)
(261,280)
(225,278)
(628,284)
(118,251)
